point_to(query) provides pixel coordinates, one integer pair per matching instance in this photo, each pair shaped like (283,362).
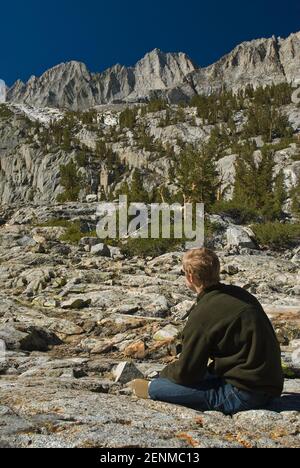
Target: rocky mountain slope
(172,76)
(258,62)
(30,168)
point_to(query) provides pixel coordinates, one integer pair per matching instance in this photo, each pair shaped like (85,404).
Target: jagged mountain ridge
(173,76)
(71,85)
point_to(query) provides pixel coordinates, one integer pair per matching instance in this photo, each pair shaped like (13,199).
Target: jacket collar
(209,289)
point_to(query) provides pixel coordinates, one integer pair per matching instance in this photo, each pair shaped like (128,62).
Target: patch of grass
(149,247)
(287,371)
(55,223)
(74,232)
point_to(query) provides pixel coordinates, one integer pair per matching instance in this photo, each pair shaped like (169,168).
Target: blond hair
(204,264)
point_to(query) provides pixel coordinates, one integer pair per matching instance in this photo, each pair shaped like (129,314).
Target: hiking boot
(140,388)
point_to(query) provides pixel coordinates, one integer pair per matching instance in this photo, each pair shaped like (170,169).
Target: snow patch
(44,115)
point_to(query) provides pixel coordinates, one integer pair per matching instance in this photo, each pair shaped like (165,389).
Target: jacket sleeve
(191,366)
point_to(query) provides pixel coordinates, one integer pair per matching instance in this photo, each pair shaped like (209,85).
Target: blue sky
(36,35)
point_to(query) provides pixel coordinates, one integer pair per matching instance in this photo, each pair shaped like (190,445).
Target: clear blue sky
(36,35)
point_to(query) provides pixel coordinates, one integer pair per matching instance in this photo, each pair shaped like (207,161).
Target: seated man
(227,326)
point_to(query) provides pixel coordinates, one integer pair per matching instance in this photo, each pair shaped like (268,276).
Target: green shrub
(156,247)
(149,247)
(211,229)
(5,112)
(128,118)
(73,232)
(242,214)
(276,234)
(288,372)
(64,223)
(295,195)
(81,159)
(156,105)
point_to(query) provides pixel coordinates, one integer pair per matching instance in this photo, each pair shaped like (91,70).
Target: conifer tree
(128,118)
(295,195)
(280,194)
(197,177)
(256,187)
(71,180)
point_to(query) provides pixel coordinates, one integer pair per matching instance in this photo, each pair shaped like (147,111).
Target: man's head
(202,269)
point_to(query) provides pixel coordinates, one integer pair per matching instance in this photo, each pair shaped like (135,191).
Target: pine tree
(128,118)
(245,178)
(280,194)
(295,195)
(71,180)
(268,121)
(196,174)
(256,188)
(135,190)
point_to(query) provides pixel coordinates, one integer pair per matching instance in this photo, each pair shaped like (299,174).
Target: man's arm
(191,366)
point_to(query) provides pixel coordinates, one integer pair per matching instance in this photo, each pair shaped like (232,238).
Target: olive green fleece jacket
(228,325)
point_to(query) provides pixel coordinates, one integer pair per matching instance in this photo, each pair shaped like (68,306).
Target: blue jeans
(212,394)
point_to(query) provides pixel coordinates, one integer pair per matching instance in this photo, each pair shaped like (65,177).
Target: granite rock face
(258,62)
(30,170)
(71,85)
(61,415)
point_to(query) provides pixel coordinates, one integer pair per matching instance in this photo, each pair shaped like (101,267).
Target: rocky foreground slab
(78,324)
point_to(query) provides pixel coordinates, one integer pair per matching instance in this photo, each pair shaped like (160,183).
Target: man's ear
(190,277)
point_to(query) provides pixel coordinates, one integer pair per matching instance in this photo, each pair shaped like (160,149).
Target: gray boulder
(76,303)
(125,372)
(240,237)
(100,250)
(27,338)
(89,241)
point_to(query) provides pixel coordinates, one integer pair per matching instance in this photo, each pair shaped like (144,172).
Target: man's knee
(158,388)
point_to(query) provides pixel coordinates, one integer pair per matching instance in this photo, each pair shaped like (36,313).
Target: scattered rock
(76,303)
(135,350)
(100,250)
(89,241)
(181,311)
(27,338)
(125,372)
(230,269)
(167,333)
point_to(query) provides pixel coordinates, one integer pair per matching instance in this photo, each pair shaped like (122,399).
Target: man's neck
(202,290)
(199,290)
